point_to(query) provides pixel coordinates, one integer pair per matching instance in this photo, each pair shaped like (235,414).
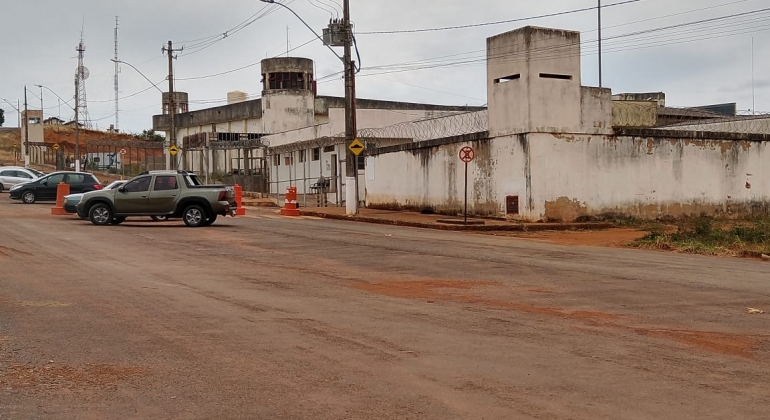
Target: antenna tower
(117,85)
(81,74)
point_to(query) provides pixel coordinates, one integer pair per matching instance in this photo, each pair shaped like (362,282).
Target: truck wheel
(1,188)
(194,216)
(210,221)
(28,197)
(100,214)
(159,218)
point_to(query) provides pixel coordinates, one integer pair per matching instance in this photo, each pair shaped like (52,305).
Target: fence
(229,158)
(127,158)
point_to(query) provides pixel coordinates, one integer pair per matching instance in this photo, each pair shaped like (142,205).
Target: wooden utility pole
(26,130)
(351,160)
(171,103)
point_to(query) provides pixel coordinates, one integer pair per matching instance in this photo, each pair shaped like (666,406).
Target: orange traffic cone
(61,190)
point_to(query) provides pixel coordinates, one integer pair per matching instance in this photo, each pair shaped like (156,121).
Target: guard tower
(181,103)
(533,81)
(288,94)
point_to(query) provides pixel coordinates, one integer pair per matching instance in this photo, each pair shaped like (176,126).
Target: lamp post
(18,111)
(77,123)
(155,85)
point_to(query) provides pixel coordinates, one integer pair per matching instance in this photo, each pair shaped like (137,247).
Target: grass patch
(707,236)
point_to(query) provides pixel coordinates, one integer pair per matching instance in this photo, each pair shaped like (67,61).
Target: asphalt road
(271,318)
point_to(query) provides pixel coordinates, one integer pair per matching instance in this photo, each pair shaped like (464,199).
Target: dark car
(44,188)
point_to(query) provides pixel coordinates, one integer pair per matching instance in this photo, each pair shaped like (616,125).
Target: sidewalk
(431,221)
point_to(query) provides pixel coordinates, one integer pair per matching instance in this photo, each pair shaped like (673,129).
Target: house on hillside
(53,121)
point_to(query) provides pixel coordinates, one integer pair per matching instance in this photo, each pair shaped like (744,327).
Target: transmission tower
(81,74)
(117,85)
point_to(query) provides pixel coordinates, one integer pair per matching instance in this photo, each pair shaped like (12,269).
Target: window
(289,160)
(22,174)
(555,76)
(139,185)
(287,80)
(55,179)
(361,162)
(276,160)
(316,154)
(508,78)
(328,149)
(302,156)
(165,183)
(7,173)
(75,179)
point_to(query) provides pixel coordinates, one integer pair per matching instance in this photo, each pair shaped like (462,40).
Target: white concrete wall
(581,175)
(569,176)
(434,177)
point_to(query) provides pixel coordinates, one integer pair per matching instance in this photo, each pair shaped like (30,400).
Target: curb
(529,227)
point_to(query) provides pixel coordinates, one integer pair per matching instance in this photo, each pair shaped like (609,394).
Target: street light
(77,127)
(155,85)
(18,111)
(351,160)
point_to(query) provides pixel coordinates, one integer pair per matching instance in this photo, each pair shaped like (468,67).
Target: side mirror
(122,189)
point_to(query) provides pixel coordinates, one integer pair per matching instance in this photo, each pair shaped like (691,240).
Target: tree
(150,135)
(2,117)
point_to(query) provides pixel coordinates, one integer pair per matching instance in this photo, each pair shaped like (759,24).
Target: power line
(500,22)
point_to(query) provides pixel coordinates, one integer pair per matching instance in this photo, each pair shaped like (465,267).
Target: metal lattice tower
(81,74)
(117,85)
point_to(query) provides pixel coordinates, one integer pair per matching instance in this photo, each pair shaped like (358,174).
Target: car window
(165,183)
(75,178)
(22,174)
(139,185)
(55,179)
(7,172)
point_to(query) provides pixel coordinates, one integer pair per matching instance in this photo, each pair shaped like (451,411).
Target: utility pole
(171,103)
(600,43)
(77,122)
(117,85)
(351,160)
(26,130)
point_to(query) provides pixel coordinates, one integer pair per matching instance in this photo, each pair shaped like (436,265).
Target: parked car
(175,194)
(44,188)
(11,176)
(71,201)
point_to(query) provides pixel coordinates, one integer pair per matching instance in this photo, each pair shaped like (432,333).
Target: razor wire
(449,124)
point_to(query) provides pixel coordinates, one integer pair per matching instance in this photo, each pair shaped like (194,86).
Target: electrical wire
(500,22)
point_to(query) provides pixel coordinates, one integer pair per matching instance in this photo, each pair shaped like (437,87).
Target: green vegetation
(2,117)
(705,235)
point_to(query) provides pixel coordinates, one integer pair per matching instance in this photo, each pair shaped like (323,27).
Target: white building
(304,131)
(546,148)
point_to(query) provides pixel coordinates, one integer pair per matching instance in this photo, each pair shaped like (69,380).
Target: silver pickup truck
(171,194)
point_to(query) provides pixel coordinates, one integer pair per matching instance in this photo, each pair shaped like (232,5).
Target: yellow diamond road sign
(15,145)
(56,146)
(357,147)
(173,150)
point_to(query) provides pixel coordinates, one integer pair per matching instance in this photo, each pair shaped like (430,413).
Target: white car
(10,176)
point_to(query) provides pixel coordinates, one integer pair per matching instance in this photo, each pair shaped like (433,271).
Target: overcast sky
(697,64)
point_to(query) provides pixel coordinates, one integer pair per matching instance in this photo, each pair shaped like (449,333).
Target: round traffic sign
(467,154)
(123,151)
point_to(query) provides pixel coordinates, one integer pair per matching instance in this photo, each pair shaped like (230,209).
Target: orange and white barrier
(240,211)
(290,205)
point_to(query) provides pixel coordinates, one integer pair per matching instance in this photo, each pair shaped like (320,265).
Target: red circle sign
(467,154)
(122,151)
